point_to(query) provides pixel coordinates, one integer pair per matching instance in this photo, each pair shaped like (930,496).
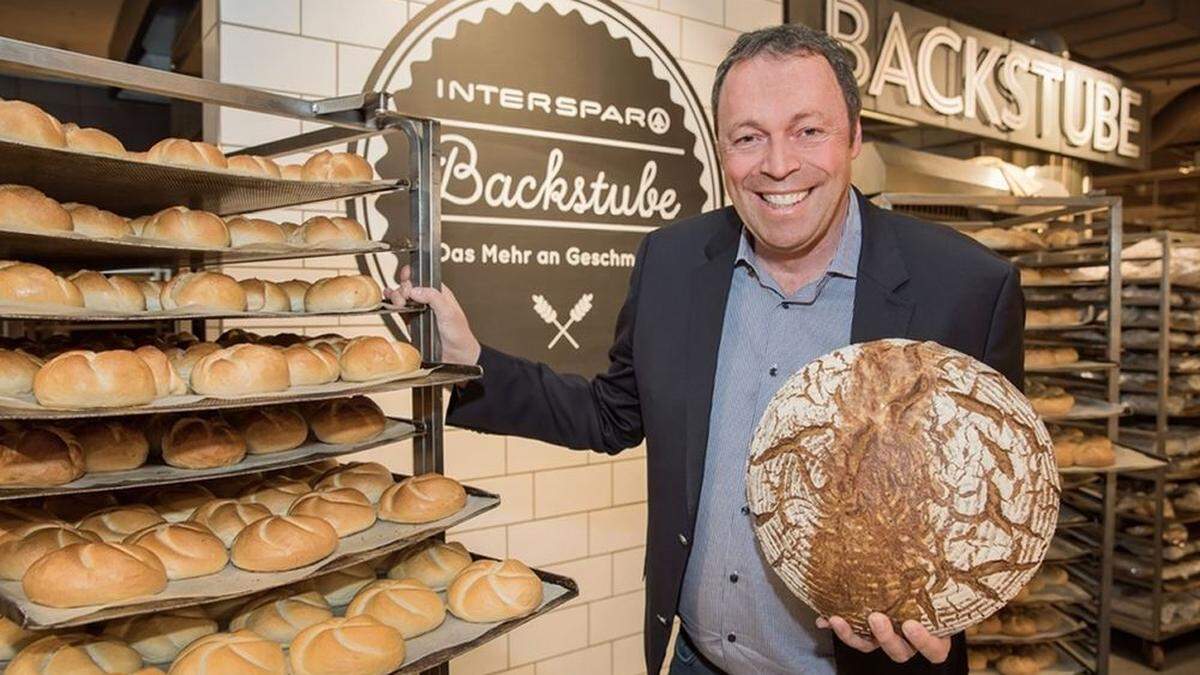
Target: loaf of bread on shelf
(186,549)
(346,509)
(407,605)
(334,344)
(338,167)
(17,514)
(177,502)
(1048,399)
(1073,447)
(75,653)
(370,357)
(25,208)
(181,225)
(13,638)
(308,366)
(1017,623)
(1002,239)
(40,457)
(118,522)
(111,445)
(240,370)
(339,587)
(202,443)
(26,123)
(203,290)
(281,543)
(94,222)
(1016,664)
(73,507)
(329,230)
(25,545)
(245,231)
(17,368)
(1049,357)
(369,478)
(253,165)
(237,653)
(1044,654)
(182,152)
(360,642)
(152,292)
(270,429)
(237,336)
(265,296)
(1050,318)
(276,492)
(1063,237)
(29,284)
(354,292)
(435,564)
(292,171)
(422,499)
(94,141)
(227,517)
(279,615)
(348,420)
(160,636)
(85,379)
(494,590)
(92,574)
(296,289)
(313,471)
(187,359)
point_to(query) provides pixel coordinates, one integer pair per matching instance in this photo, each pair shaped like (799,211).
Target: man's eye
(742,140)
(810,131)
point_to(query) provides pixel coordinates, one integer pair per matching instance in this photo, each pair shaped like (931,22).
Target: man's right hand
(458,342)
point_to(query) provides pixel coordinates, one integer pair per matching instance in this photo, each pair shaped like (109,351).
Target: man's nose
(781,159)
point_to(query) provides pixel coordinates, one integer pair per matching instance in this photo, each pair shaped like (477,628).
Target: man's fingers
(934,648)
(406,273)
(846,634)
(892,644)
(822,623)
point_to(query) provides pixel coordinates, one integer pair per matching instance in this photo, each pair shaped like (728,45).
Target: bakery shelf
(1088,409)
(1127,459)
(1067,593)
(1090,255)
(1066,665)
(151,475)
(1083,366)
(1066,626)
(96,316)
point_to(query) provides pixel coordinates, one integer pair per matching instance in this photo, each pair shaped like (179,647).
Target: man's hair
(793,39)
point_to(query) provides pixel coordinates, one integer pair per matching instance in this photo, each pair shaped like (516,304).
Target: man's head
(786,107)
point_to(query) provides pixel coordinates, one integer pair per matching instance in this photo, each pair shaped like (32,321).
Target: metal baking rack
(135,188)
(1094,379)
(85,316)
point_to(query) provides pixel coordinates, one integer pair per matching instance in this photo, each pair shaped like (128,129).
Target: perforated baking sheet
(1088,409)
(83,315)
(1066,625)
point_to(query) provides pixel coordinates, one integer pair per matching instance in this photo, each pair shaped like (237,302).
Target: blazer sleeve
(517,397)
(1005,349)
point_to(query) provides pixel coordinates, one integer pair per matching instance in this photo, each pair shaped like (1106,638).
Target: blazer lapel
(880,310)
(706,316)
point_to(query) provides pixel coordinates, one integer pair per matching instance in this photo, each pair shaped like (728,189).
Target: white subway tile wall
(579,514)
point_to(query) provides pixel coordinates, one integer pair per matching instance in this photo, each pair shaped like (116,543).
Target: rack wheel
(1153,654)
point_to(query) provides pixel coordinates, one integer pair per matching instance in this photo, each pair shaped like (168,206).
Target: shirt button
(787,305)
(773,371)
(731,637)
(683,540)
(745,510)
(733,578)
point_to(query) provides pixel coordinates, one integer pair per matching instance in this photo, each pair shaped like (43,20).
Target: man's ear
(856,139)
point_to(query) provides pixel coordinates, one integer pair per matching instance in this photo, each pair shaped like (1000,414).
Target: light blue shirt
(738,612)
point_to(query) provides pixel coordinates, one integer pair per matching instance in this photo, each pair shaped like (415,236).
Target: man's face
(786,145)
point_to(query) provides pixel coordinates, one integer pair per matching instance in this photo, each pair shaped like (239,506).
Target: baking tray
(1061,550)
(1066,626)
(162,474)
(1088,316)
(1075,257)
(1067,593)
(1088,409)
(443,374)
(1127,459)
(133,188)
(1065,666)
(82,315)
(382,538)
(1083,366)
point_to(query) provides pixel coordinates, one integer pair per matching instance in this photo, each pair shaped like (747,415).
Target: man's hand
(458,342)
(899,648)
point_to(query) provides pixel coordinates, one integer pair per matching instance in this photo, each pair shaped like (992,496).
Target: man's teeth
(786,199)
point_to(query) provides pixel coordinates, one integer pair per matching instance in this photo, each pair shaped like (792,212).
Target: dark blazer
(916,280)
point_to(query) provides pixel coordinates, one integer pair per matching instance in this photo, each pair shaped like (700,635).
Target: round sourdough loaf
(238,653)
(227,517)
(182,225)
(110,294)
(176,503)
(370,357)
(265,296)
(75,654)
(204,290)
(245,231)
(422,499)
(40,457)
(295,289)
(167,381)
(17,369)
(25,208)
(281,543)
(111,445)
(26,123)
(494,590)
(307,365)
(407,605)
(278,616)
(339,167)
(241,370)
(272,429)
(253,165)
(24,545)
(115,523)
(181,152)
(95,141)
(28,284)
(96,222)
(202,443)
(357,644)
(369,478)
(83,379)
(159,637)
(346,509)
(186,549)
(277,493)
(915,458)
(329,230)
(435,564)
(93,574)
(343,293)
(339,587)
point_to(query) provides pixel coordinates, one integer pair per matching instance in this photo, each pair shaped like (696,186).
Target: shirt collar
(845,258)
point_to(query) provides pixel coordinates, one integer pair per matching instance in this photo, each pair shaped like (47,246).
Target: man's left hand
(900,648)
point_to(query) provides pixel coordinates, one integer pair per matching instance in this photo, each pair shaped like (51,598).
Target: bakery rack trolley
(136,188)
(1086,532)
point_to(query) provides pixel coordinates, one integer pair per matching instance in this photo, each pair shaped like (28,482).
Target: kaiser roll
(312,472)
(111,445)
(95,141)
(241,370)
(227,517)
(176,503)
(40,457)
(17,369)
(310,366)
(281,543)
(26,123)
(186,549)
(277,493)
(118,522)
(183,152)
(13,638)
(251,231)
(336,167)
(237,336)
(24,208)
(152,292)
(74,507)
(343,293)
(205,290)
(339,587)
(238,653)
(370,357)
(435,564)
(265,296)
(422,499)
(96,222)
(187,359)
(93,574)
(28,284)
(159,637)
(75,654)
(84,379)
(292,171)
(202,443)
(280,615)
(167,381)
(253,165)
(359,645)
(272,429)
(110,294)
(295,289)
(329,230)
(494,590)
(407,605)
(346,509)
(24,545)
(182,225)
(1015,664)
(369,478)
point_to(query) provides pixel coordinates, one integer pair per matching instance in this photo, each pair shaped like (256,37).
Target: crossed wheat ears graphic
(550,316)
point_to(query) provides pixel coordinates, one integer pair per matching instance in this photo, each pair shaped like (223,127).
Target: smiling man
(721,308)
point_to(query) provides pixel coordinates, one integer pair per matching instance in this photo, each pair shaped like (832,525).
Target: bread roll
(95,141)
(976,659)
(96,222)
(339,587)
(370,357)
(27,284)
(281,615)
(422,499)
(118,522)
(1015,664)
(253,165)
(346,509)
(166,381)
(152,292)
(1018,624)
(239,653)
(40,457)
(16,514)
(336,646)
(202,443)
(281,543)
(13,638)
(227,517)
(369,478)
(84,379)
(1044,618)
(327,230)
(26,123)
(494,590)
(75,654)
(295,289)
(25,208)
(265,296)
(312,472)
(343,293)
(1095,451)
(292,171)
(406,605)
(159,637)
(17,369)
(204,290)
(186,549)
(93,574)
(176,503)
(339,167)
(334,344)
(75,507)
(181,152)
(181,225)
(251,231)
(241,370)
(268,430)
(277,493)
(307,366)
(1044,654)
(434,564)
(237,336)
(185,361)
(24,545)
(111,445)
